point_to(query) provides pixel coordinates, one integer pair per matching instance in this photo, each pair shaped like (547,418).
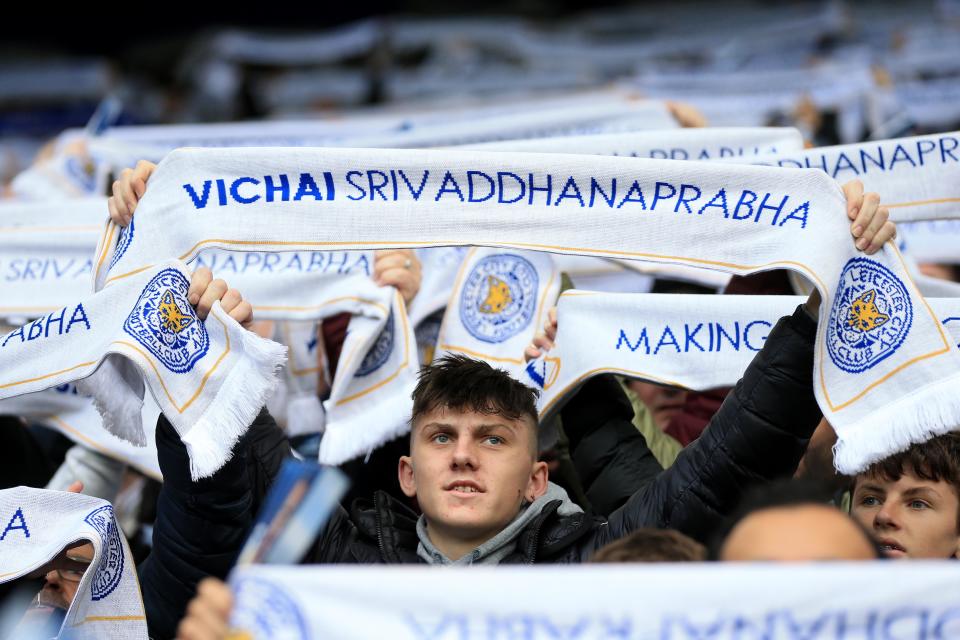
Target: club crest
(110,568)
(870,318)
(264,611)
(380,351)
(499,297)
(164,322)
(123,243)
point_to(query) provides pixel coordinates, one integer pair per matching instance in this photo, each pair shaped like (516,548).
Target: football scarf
(39,524)
(884,384)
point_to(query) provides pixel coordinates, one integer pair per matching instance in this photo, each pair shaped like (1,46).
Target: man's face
(61,583)
(663,403)
(470,473)
(797,534)
(911,517)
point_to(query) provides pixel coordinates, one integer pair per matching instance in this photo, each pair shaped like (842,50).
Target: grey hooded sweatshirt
(501,545)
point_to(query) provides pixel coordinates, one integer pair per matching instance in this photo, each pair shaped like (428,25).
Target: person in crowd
(652,545)
(911,500)
(473,469)
(792,521)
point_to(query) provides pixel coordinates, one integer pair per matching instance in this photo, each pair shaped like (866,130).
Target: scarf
(689,341)
(932,240)
(209,378)
(45,253)
(884,386)
(916,177)
(38,524)
(499,302)
(75,416)
(673,144)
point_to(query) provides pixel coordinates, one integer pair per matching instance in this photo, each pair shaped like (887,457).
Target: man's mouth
(892,549)
(464,486)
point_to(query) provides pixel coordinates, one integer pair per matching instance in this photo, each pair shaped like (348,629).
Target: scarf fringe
(930,411)
(117,390)
(344,438)
(243,394)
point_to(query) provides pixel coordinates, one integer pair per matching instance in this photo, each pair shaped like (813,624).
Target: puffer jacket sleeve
(610,455)
(760,433)
(202,525)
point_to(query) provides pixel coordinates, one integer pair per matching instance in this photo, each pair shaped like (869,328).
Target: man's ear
(408,482)
(537,486)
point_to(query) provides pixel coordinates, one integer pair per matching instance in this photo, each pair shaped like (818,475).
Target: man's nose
(53,578)
(464,454)
(887,517)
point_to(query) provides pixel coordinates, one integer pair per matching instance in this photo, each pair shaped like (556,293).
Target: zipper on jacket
(380,545)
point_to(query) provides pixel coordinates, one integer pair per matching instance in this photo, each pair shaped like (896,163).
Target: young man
(911,500)
(473,468)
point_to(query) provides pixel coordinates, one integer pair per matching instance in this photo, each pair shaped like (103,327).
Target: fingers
(127,191)
(399,268)
(550,328)
(853,191)
(208,614)
(868,210)
(215,291)
(871,239)
(75,487)
(198,284)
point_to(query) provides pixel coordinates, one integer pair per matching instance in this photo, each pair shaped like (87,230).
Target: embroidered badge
(110,569)
(164,322)
(123,243)
(264,611)
(380,351)
(499,297)
(870,318)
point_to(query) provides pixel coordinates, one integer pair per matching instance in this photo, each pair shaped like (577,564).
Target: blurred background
(839,71)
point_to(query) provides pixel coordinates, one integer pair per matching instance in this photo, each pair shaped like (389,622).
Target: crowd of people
(626,469)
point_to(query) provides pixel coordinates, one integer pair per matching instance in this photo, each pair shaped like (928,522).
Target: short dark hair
(934,460)
(461,383)
(652,545)
(780,494)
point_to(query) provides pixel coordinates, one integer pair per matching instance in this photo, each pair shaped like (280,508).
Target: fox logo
(864,315)
(498,296)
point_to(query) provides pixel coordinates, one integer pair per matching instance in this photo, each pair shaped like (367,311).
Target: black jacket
(760,433)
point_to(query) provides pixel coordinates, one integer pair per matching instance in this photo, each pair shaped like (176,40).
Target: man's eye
(918,504)
(494,439)
(441,438)
(869,501)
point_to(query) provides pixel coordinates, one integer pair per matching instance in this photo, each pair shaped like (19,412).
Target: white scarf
(38,524)
(916,177)
(932,240)
(720,601)
(75,416)
(885,393)
(210,378)
(674,144)
(498,304)
(690,341)
(45,253)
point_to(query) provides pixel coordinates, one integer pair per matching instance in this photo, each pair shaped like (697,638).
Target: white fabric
(439,268)
(75,416)
(932,240)
(45,253)
(690,341)
(210,378)
(498,304)
(674,144)
(740,219)
(843,601)
(38,524)
(916,177)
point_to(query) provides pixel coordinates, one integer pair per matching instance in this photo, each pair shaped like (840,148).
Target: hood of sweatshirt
(501,545)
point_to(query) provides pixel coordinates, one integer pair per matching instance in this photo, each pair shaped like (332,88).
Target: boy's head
(473,451)
(911,500)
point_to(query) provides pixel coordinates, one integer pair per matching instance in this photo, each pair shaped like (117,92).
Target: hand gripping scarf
(884,385)
(694,342)
(209,378)
(38,524)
